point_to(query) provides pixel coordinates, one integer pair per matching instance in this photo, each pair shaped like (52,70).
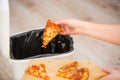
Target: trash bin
(27,45)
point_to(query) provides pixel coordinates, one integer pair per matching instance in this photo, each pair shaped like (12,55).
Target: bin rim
(48,57)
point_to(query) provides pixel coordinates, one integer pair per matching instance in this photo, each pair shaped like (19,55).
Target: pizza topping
(67,70)
(38,71)
(51,31)
(80,74)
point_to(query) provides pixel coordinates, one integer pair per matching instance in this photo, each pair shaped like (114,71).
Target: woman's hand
(71,26)
(114,74)
(105,32)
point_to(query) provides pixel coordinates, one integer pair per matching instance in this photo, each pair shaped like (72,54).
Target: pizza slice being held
(38,71)
(51,31)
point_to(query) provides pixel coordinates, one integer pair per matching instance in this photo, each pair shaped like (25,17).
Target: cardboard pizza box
(52,67)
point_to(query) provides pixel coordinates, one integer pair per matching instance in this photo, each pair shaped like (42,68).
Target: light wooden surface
(31,14)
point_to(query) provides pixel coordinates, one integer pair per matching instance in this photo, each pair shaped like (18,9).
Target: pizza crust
(52,66)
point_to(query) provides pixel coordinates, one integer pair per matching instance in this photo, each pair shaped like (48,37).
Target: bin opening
(28,45)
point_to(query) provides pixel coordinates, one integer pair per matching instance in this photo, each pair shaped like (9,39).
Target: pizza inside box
(31,61)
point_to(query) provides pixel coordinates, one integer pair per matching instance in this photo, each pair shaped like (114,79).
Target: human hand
(95,30)
(114,74)
(71,26)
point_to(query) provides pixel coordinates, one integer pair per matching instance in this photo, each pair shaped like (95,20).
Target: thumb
(109,70)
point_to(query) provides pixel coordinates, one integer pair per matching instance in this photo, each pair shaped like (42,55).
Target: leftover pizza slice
(67,70)
(80,74)
(38,71)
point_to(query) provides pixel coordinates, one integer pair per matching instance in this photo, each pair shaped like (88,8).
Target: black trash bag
(28,45)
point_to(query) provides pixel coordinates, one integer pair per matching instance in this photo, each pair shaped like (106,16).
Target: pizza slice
(67,70)
(51,31)
(38,71)
(80,74)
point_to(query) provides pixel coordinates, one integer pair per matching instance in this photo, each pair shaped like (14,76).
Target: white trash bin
(19,65)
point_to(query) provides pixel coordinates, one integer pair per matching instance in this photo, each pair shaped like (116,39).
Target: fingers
(109,77)
(109,70)
(66,29)
(114,74)
(63,23)
(70,26)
